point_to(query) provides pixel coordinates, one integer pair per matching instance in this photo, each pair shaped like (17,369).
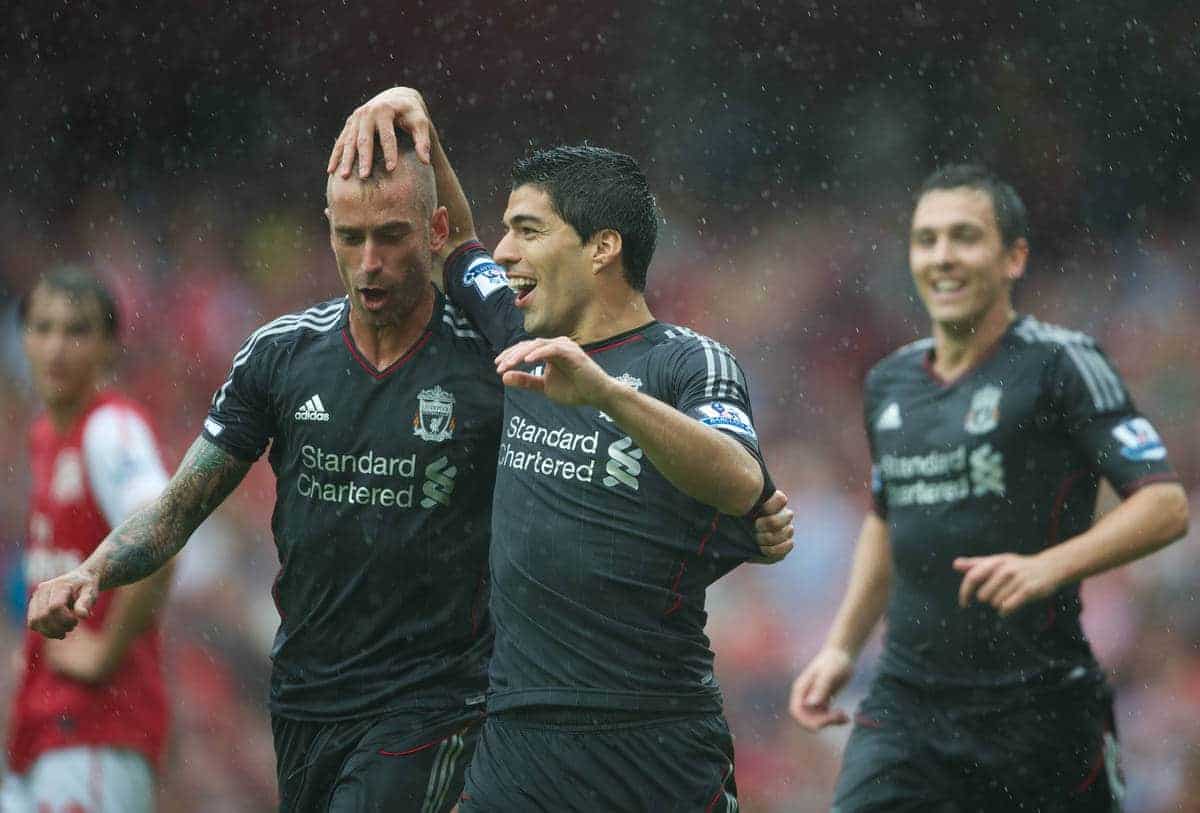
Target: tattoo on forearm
(150,537)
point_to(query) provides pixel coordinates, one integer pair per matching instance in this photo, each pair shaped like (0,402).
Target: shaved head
(409,170)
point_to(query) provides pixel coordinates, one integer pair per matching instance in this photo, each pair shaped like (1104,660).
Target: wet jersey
(382,509)
(86,480)
(1007,458)
(599,565)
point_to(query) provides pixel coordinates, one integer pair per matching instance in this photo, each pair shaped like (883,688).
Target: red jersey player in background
(89,719)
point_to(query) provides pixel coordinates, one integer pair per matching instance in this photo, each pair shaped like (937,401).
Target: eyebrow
(389,226)
(520,219)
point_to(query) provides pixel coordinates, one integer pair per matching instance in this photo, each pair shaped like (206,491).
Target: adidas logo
(312,410)
(889,418)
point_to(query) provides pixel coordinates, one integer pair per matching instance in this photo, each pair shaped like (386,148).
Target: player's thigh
(887,768)
(397,767)
(657,766)
(1059,755)
(99,780)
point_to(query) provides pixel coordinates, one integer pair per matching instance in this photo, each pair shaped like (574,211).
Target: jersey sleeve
(240,420)
(1096,411)
(479,287)
(870,416)
(122,460)
(708,384)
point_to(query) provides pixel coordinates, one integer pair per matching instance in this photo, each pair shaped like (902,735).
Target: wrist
(609,396)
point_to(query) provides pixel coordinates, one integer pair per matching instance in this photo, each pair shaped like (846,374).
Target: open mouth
(373,298)
(523,287)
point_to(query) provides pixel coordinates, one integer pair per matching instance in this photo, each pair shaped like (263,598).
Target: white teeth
(944,285)
(521,283)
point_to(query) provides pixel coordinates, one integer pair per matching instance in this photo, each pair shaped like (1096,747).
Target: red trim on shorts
(391,368)
(712,805)
(423,746)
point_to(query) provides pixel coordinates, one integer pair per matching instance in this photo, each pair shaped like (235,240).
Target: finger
(335,157)
(515,355)
(385,125)
(800,687)
(1002,596)
(974,577)
(1013,602)
(776,553)
(364,142)
(86,600)
(774,504)
(997,583)
(524,381)
(421,140)
(777,520)
(346,139)
(964,563)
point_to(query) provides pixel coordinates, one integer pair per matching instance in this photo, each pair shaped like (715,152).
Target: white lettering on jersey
(623,466)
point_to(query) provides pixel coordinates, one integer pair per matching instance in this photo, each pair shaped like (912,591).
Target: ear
(439,229)
(1015,259)
(606,249)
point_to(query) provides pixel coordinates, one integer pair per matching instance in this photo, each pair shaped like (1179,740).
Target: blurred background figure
(783,142)
(89,718)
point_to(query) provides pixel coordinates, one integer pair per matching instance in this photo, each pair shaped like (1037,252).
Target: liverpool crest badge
(984,413)
(434,420)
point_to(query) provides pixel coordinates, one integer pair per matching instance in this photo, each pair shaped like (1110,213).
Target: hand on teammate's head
(378,119)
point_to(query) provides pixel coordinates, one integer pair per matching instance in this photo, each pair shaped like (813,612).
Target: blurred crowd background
(181,154)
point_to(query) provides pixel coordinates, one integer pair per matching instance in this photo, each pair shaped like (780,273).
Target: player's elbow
(1174,511)
(742,493)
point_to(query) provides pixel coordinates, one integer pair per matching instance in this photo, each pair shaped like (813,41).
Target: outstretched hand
(567,374)
(1007,581)
(59,604)
(814,689)
(395,107)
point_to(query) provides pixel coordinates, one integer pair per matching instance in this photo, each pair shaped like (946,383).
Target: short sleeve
(1096,411)
(479,287)
(122,460)
(870,418)
(708,384)
(240,420)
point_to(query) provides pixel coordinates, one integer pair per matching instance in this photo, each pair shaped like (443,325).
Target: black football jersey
(1005,459)
(382,513)
(599,565)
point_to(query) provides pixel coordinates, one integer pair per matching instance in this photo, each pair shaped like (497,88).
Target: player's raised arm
(705,464)
(143,543)
(378,119)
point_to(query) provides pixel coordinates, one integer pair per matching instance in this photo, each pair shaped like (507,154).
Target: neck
(959,348)
(382,345)
(612,315)
(63,415)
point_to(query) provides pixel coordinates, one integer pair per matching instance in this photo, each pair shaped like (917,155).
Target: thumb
(86,599)
(963,563)
(820,691)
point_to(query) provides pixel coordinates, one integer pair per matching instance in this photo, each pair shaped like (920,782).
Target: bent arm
(1150,518)
(700,461)
(148,539)
(451,195)
(867,592)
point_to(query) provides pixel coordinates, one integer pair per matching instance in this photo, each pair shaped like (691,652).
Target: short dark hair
(79,285)
(1011,217)
(593,188)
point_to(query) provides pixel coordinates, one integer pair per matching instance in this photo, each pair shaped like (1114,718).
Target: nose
(506,251)
(942,253)
(372,257)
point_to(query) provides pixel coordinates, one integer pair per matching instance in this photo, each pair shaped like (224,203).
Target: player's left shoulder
(669,339)
(1051,337)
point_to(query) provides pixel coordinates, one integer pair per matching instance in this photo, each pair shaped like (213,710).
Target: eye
(349,238)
